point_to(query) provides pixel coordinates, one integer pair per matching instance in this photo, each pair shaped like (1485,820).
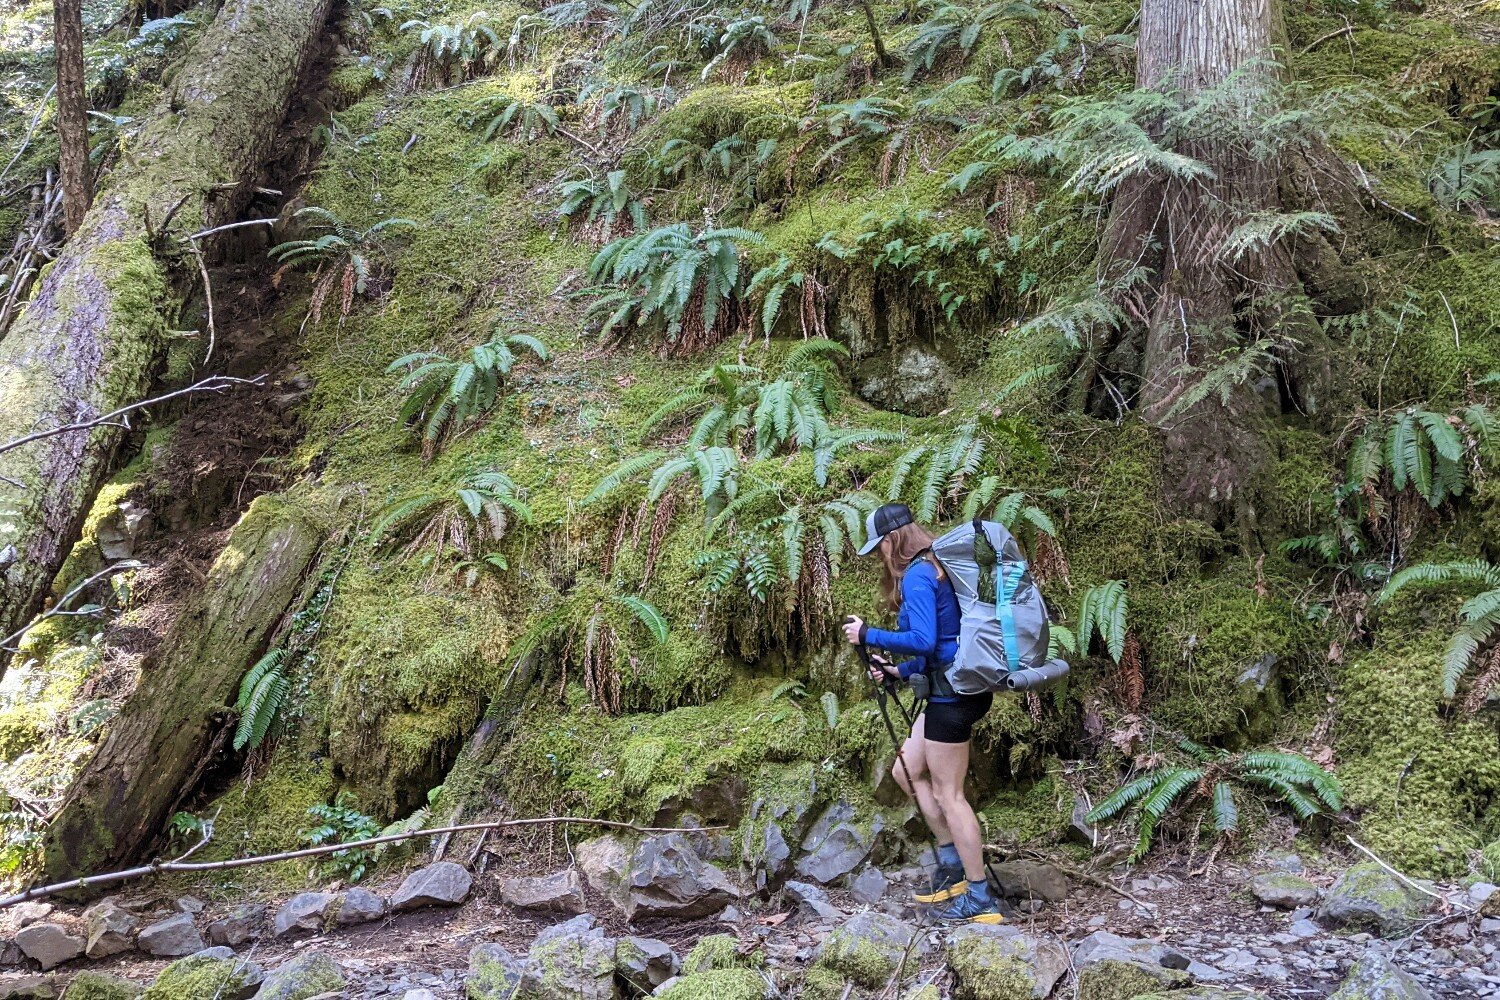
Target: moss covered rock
(1004,963)
(199,976)
(302,977)
(1284,889)
(714,952)
(720,984)
(1376,977)
(494,974)
(1369,897)
(568,960)
(1115,980)
(1447,771)
(867,948)
(92,985)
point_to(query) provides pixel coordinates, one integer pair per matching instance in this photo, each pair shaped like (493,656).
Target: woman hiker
(936,755)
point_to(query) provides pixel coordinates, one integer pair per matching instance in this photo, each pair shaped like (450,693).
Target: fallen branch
(230,225)
(1347,29)
(7,645)
(1070,871)
(158,867)
(208,297)
(1408,881)
(214,383)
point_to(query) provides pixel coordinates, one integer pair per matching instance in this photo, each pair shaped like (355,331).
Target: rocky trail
(629,919)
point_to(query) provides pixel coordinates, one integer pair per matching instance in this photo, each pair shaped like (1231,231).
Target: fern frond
(647,615)
(626,471)
(1225,814)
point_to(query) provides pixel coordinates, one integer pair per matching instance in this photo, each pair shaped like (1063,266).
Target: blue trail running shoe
(971,908)
(947,883)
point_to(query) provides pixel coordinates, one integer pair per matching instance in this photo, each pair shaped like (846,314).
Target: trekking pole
(882,690)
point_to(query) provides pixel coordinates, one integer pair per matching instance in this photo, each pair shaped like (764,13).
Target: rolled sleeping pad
(1037,678)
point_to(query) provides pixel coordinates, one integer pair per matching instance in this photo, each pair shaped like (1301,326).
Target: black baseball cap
(882,521)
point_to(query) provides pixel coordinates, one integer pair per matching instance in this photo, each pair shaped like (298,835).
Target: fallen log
(162,867)
(93,335)
(158,746)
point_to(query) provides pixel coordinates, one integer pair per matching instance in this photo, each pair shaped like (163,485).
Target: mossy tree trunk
(1200,305)
(167,731)
(92,337)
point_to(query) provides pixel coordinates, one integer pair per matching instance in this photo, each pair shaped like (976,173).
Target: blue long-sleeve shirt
(927,625)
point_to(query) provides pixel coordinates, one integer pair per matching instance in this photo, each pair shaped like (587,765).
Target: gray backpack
(1003,633)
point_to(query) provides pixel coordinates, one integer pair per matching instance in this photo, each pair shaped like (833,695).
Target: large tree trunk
(1198,303)
(72,112)
(164,737)
(91,339)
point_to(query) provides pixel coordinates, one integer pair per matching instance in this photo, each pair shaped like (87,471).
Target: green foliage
(744,39)
(771,283)
(1291,778)
(262,692)
(184,826)
(1469,181)
(951,27)
(464,48)
(624,106)
(1431,453)
(464,520)
(339,823)
(672,282)
(791,542)
(597,629)
(928,267)
(520,119)
(608,199)
(790,411)
(1479,616)
(1102,611)
(340,254)
(444,395)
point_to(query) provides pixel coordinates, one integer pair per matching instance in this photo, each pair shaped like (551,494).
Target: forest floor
(1234,942)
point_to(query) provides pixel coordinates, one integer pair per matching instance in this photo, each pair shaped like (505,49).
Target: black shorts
(953,721)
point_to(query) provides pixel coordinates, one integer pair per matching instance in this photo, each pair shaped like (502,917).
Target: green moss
(860,960)
(266,815)
(91,985)
(194,978)
(1028,812)
(985,971)
(1204,638)
(716,951)
(22,728)
(823,983)
(722,984)
(1112,980)
(1489,861)
(1424,786)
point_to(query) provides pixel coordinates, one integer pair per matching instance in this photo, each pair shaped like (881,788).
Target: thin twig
(8,643)
(1451,318)
(208,296)
(231,225)
(36,120)
(214,383)
(308,852)
(580,140)
(1072,872)
(1347,29)
(1415,885)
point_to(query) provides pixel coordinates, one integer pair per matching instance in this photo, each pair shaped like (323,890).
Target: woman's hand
(853,626)
(882,669)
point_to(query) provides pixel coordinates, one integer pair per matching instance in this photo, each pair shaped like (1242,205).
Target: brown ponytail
(897,551)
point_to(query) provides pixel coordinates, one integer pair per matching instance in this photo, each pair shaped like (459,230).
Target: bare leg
(947,764)
(919,787)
